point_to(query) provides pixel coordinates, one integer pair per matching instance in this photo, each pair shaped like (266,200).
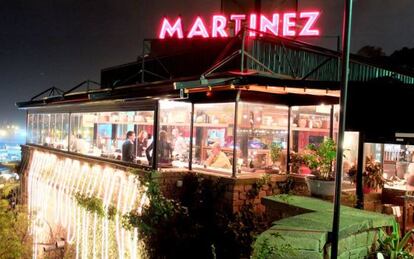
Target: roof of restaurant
(175,67)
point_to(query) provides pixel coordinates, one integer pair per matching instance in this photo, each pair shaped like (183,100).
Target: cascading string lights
(52,185)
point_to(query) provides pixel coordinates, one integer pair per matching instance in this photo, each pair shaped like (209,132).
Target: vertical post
(143,64)
(331,122)
(360,169)
(236,113)
(342,114)
(257,10)
(27,127)
(136,141)
(190,156)
(155,137)
(242,51)
(288,140)
(404,223)
(69,129)
(338,48)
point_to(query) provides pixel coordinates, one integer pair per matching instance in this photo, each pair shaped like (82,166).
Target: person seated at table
(164,149)
(217,158)
(128,152)
(79,145)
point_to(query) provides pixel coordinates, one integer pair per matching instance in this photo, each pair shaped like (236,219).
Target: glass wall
(49,130)
(261,145)
(310,125)
(30,128)
(213,136)
(262,134)
(397,160)
(174,135)
(103,134)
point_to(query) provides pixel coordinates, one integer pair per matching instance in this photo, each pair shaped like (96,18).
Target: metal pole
(155,136)
(190,155)
(257,10)
(242,51)
(236,113)
(27,129)
(69,130)
(360,168)
(331,122)
(288,141)
(346,35)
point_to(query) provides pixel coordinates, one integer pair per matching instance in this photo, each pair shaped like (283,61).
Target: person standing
(164,149)
(128,152)
(142,142)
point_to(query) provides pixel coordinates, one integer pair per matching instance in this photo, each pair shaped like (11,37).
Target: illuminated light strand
(117,224)
(133,240)
(49,187)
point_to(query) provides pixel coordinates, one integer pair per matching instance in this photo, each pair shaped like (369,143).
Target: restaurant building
(254,98)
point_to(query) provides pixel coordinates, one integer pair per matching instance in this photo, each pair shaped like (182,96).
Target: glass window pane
(30,128)
(36,129)
(45,135)
(82,133)
(175,120)
(310,125)
(144,130)
(103,134)
(49,130)
(213,136)
(262,138)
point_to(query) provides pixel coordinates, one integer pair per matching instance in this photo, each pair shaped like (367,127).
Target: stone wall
(238,192)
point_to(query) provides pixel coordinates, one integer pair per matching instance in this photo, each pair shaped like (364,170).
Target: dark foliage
(198,226)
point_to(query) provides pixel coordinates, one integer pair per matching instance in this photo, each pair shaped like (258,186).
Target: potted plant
(393,245)
(275,152)
(320,160)
(298,163)
(372,176)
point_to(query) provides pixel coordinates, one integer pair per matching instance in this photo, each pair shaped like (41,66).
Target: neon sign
(284,24)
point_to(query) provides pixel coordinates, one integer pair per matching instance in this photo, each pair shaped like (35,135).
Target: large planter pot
(320,188)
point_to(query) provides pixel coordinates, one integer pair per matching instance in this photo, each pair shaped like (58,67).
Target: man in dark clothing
(164,149)
(128,150)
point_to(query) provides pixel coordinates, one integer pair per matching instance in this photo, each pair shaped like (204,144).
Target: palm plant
(393,246)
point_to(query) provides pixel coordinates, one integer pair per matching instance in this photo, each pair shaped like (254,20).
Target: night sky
(61,43)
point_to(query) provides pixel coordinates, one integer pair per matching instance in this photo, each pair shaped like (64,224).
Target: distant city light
(3,132)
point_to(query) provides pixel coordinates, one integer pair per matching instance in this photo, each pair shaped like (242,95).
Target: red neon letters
(166,28)
(285,24)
